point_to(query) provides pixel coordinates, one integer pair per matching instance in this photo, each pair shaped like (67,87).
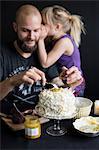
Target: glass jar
(96,107)
(32,127)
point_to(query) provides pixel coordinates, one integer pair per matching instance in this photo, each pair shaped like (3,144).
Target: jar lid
(97,102)
(30,118)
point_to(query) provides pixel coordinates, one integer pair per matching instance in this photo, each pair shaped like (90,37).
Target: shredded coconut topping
(56,102)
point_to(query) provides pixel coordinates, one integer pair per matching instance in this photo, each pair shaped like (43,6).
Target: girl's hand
(44,32)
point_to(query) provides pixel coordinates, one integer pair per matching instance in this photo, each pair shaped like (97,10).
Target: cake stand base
(50,130)
(56,129)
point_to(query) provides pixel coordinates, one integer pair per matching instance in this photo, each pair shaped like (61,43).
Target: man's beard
(25,48)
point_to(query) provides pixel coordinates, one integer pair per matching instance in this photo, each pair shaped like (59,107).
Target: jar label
(31,132)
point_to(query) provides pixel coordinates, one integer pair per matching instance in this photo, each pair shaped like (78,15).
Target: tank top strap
(65,36)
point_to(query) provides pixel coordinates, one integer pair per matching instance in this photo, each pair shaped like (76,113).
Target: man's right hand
(30,76)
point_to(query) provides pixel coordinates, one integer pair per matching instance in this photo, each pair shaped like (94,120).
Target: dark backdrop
(89,48)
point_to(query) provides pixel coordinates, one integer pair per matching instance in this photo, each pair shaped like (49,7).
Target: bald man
(27,27)
(20,71)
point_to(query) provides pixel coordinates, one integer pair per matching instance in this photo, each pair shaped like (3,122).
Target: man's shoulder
(7,45)
(7,48)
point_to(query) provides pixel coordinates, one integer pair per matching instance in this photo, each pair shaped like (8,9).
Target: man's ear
(15,26)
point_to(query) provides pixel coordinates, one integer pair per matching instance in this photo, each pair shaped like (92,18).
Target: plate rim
(89,134)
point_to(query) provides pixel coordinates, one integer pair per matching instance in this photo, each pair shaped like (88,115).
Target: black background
(89,48)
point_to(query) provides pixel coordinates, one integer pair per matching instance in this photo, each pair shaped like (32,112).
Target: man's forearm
(5,88)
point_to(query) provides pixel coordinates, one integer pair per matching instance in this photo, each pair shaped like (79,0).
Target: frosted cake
(56,103)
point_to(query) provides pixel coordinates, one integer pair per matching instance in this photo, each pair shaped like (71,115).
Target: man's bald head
(27,27)
(27,10)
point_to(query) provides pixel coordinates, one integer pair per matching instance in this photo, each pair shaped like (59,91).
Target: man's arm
(52,75)
(29,77)
(72,76)
(5,88)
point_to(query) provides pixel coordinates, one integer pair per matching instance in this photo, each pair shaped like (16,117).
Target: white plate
(88,126)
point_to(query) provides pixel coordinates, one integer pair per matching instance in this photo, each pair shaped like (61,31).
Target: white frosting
(57,102)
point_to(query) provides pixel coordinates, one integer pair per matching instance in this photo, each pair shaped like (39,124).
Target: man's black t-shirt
(11,63)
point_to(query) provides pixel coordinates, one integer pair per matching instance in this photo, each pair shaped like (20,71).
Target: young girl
(65,30)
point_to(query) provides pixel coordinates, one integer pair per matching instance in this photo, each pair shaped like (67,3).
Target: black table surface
(72,140)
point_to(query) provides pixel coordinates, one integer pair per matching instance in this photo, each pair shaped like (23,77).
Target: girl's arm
(63,46)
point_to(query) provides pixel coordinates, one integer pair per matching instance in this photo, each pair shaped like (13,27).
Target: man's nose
(31,35)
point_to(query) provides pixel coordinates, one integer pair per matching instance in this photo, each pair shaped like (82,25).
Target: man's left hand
(72,76)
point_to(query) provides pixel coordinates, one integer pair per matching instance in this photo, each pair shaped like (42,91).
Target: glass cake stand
(56,129)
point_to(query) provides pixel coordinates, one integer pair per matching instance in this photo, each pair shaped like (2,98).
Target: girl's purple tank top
(74,59)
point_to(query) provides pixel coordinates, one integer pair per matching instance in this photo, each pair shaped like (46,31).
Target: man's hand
(72,76)
(30,76)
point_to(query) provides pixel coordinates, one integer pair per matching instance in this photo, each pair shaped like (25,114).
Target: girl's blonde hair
(72,24)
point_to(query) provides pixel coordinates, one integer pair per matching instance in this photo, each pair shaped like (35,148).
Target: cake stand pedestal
(56,129)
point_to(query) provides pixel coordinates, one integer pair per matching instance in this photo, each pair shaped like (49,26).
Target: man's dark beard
(25,48)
